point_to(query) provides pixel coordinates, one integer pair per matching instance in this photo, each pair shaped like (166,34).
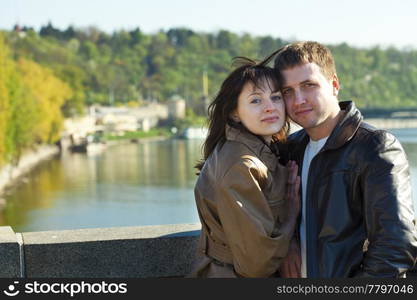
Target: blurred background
(103,103)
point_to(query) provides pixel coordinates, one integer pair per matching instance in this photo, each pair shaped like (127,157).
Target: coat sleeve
(388,209)
(248,221)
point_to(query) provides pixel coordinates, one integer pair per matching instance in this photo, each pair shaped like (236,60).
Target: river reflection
(127,185)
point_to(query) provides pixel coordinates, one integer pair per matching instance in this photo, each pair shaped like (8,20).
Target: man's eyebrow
(302,82)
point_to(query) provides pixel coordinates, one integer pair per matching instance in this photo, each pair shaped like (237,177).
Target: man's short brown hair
(300,53)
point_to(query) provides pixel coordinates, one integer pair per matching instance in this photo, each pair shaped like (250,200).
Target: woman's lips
(270,119)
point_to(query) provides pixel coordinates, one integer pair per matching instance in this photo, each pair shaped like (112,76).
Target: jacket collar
(345,129)
(349,123)
(255,144)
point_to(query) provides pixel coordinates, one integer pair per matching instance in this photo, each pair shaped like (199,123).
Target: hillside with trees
(51,74)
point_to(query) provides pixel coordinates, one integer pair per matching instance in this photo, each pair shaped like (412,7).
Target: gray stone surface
(119,252)
(112,233)
(9,253)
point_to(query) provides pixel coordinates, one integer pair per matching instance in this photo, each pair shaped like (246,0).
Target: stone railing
(118,252)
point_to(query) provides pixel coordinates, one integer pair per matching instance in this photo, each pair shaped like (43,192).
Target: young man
(357,213)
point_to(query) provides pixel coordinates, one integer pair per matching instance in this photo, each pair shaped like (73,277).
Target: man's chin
(305,123)
(296,125)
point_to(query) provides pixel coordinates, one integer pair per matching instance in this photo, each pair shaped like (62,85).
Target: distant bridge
(390,119)
(384,119)
(391,123)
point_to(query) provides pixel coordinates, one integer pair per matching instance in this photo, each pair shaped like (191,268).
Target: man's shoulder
(371,132)
(373,140)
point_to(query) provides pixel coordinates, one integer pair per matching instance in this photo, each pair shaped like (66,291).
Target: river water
(150,183)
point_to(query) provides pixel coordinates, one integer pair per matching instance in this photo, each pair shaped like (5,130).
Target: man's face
(310,98)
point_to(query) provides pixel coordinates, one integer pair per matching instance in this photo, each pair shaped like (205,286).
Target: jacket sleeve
(388,209)
(248,221)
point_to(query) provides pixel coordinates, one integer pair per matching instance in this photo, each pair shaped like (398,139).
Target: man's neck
(324,129)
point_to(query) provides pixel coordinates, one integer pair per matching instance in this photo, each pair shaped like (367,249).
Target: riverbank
(138,135)
(11,174)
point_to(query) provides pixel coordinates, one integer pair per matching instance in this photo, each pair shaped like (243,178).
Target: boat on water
(95,148)
(89,148)
(90,145)
(194,133)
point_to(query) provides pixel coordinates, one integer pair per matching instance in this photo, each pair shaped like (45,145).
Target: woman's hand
(291,265)
(292,199)
(293,190)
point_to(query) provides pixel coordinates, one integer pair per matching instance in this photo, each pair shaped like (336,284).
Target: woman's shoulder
(236,151)
(234,155)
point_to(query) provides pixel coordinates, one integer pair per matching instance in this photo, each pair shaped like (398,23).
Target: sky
(359,23)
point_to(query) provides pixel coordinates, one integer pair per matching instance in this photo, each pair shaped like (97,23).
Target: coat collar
(255,144)
(349,123)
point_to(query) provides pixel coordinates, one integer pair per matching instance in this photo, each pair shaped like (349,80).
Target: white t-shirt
(313,147)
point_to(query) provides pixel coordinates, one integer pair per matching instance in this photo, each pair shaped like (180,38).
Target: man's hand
(291,265)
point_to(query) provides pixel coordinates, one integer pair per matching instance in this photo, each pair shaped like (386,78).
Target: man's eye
(276,98)
(309,84)
(286,92)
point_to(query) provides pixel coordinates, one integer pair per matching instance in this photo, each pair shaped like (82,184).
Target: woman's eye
(256,100)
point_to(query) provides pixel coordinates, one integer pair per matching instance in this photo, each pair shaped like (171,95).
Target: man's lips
(270,119)
(303,111)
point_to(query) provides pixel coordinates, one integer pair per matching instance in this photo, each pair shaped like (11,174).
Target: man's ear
(336,85)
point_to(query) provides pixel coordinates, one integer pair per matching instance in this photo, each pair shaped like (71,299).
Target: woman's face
(261,110)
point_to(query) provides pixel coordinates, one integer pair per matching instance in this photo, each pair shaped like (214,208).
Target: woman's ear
(235,116)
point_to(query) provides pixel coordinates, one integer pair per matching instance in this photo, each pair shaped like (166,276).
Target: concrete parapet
(9,253)
(118,252)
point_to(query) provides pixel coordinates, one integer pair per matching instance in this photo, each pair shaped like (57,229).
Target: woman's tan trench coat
(240,197)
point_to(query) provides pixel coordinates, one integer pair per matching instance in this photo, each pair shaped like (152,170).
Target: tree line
(31,99)
(50,74)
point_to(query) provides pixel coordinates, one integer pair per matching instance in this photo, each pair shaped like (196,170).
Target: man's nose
(298,97)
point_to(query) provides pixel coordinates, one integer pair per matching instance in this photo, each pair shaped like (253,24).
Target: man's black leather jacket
(358,189)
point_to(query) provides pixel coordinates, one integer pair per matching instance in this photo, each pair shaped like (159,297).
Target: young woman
(247,201)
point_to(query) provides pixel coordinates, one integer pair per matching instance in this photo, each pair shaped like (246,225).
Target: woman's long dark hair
(219,111)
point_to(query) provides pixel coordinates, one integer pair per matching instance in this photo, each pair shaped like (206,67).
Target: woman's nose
(269,105)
